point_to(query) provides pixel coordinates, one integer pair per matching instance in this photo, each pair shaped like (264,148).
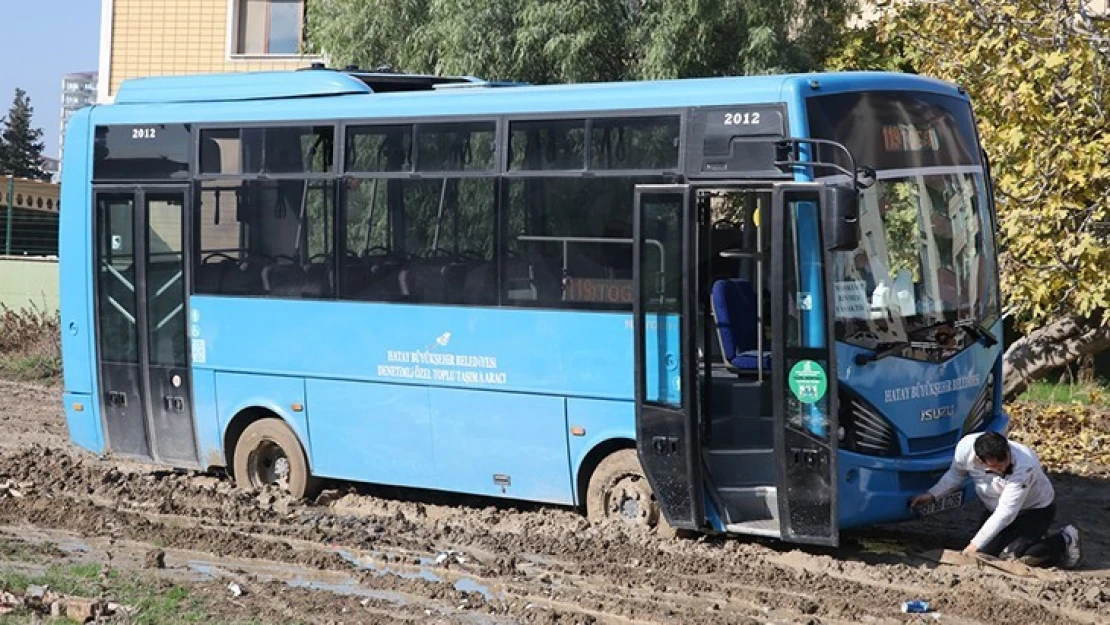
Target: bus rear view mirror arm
(788,154)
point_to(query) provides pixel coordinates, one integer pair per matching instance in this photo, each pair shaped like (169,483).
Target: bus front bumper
(878,490)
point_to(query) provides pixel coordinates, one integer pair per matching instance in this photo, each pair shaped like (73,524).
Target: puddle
(209,571)
(468,585)
(72,545)
(373,567)
(349,588)
(343,586)
(465,584)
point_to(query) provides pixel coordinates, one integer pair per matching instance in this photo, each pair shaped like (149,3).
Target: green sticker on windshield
(808,381)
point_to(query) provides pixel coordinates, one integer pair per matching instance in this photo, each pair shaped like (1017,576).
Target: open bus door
(665,333)
(804,373)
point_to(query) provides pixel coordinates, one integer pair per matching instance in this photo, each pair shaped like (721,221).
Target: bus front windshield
(926,257)
(926,260)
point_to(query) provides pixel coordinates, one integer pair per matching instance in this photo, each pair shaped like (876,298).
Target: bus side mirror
(841,211)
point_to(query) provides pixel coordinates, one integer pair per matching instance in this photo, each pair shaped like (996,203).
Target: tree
(551,41)
(20,145)
(1037,74)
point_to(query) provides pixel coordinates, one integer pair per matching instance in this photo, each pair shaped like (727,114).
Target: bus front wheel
(619,489)
(268,453)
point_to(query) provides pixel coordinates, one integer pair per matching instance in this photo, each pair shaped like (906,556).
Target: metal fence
(28,217)
(28,232)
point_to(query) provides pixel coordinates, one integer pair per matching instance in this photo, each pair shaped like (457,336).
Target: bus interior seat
(211,158)
(480,286)
(283,279)
(243,278)
(209,276)
(376,277)
(519,284)
(735,315)
(319,278)
(292,280)
(424,279)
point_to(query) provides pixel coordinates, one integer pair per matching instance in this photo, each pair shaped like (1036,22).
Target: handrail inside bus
(567,240)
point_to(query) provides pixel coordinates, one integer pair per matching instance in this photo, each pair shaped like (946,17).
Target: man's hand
(970,549)
(922,500)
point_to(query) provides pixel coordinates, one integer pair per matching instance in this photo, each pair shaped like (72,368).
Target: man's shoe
(1071,540)
(1038,561)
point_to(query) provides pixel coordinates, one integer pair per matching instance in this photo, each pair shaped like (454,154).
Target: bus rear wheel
(619,489)
(269,454)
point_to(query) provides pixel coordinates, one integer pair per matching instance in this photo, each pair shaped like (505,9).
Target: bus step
(750,504)
(737,468)
(767,527)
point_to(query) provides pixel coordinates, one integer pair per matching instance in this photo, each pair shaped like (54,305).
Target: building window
(269,26)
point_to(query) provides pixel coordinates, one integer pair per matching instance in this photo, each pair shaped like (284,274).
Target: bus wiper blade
(889,349)
(974,327)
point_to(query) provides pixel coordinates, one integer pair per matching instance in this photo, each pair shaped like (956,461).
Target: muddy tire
(619,489)
(268,453)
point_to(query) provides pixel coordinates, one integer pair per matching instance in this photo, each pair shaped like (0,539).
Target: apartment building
(78,91)
(166,37)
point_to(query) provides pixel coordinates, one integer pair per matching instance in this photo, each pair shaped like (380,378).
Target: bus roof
(331,94)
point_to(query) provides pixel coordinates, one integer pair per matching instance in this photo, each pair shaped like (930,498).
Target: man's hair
(992,446)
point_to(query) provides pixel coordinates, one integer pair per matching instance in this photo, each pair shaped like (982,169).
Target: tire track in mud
(549,559)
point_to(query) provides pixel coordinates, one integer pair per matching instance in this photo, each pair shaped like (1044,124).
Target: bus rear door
(141,308)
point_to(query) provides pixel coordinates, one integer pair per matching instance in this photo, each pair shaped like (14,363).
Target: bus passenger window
(266,238)
(546,145)
(276,150)
(570,242)
(455,146)
(634,143)
(424,241)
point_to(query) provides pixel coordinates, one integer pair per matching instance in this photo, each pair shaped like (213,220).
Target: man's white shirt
(1025,487)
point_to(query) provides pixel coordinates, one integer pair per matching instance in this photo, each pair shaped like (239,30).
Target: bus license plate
(947,502)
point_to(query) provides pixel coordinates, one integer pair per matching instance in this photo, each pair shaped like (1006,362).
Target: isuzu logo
(940,412)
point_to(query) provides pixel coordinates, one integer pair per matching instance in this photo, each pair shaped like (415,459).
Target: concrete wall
(24,281)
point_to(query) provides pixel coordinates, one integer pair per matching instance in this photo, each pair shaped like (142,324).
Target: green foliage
(1064,391)
(20,145)
(1036,72)
(152,601)
(551,41)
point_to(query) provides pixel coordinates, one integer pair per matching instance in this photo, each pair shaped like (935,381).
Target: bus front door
(141,308)
(665,332)
(804,373)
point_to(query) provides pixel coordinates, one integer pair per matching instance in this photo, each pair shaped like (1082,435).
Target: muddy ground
(358,556)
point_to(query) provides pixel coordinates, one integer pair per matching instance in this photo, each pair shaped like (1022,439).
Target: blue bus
(749,305)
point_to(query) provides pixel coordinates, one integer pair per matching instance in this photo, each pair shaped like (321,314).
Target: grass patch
(81,580)
(1064,391)
(19,551)
(149,599)
(154,601)
(30,343)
